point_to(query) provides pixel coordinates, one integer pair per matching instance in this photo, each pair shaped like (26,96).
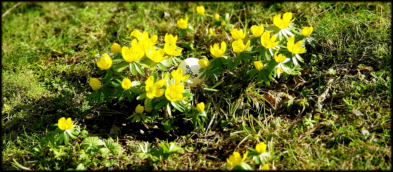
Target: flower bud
(201,107)
(258,65)
(95,84)
(204,63)
(139,109)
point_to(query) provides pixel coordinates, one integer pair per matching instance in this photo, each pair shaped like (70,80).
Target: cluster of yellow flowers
(267,39)
(236,159)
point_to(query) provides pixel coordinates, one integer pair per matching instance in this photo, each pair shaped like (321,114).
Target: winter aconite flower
(216,52)
(204,63)
(307,31)
(268,42)
(201,10)
(261,147)
(171,49)
(156,55)
(132,54)
(95,84)
(200,107)
(294,48)
(279,58)
(174,92)
(137,34)
(217,17)
(154,89)
(64,124)
(126,83)
(238,34)
(239,47)
(265,167)
(116,48)
(257,31)
(236,159)
(105,62)
(284,22)
(258,65)
(279,71)
(182,23)
(211,31)
(139,109)
(169,39)
(223,23)
(178,75)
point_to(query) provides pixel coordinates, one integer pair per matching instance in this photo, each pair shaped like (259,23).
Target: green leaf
(80,167)
(259,77)
(162,67)
(138,68)
(66,138)
(120,67)
(148,103)
(91,142)
(113,147)
(265,79)
(132,69)
(161,104)
(237,60)
(129,96)
(177,106)
(141,97)
(252,72)
(243,166)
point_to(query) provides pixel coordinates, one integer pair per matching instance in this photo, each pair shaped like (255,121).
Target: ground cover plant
(294,85)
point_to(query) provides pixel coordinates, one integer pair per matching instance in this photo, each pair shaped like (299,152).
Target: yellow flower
(204,63)
(139,109)
(257,31)
(95,84)
(211,31)
(236,159)
(126,83)
(268,42)
(294,48)
(171,49)
(154,89)
(223,23)
(156,56)
(148,109)
(64,124)
(137,34)
(201,10)
(132,54)
(258,65)
(178,75)
(279,58)
(116,48)
(217,17)
(307,31)
(105,62)
(216,52)
(284,22)
(238,34)
(169,39)
(174,92)
(239,47)
(261,147)
(279,71)
(265,167)
(153,39)
(182,23)
(201,107)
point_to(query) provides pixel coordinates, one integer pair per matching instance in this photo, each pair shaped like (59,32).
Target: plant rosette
(259,154)
(66,130)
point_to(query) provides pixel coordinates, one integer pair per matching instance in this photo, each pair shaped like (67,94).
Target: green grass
(50,50)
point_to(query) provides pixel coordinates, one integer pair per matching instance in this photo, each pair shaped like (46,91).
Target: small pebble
(357,113)
(142,132)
